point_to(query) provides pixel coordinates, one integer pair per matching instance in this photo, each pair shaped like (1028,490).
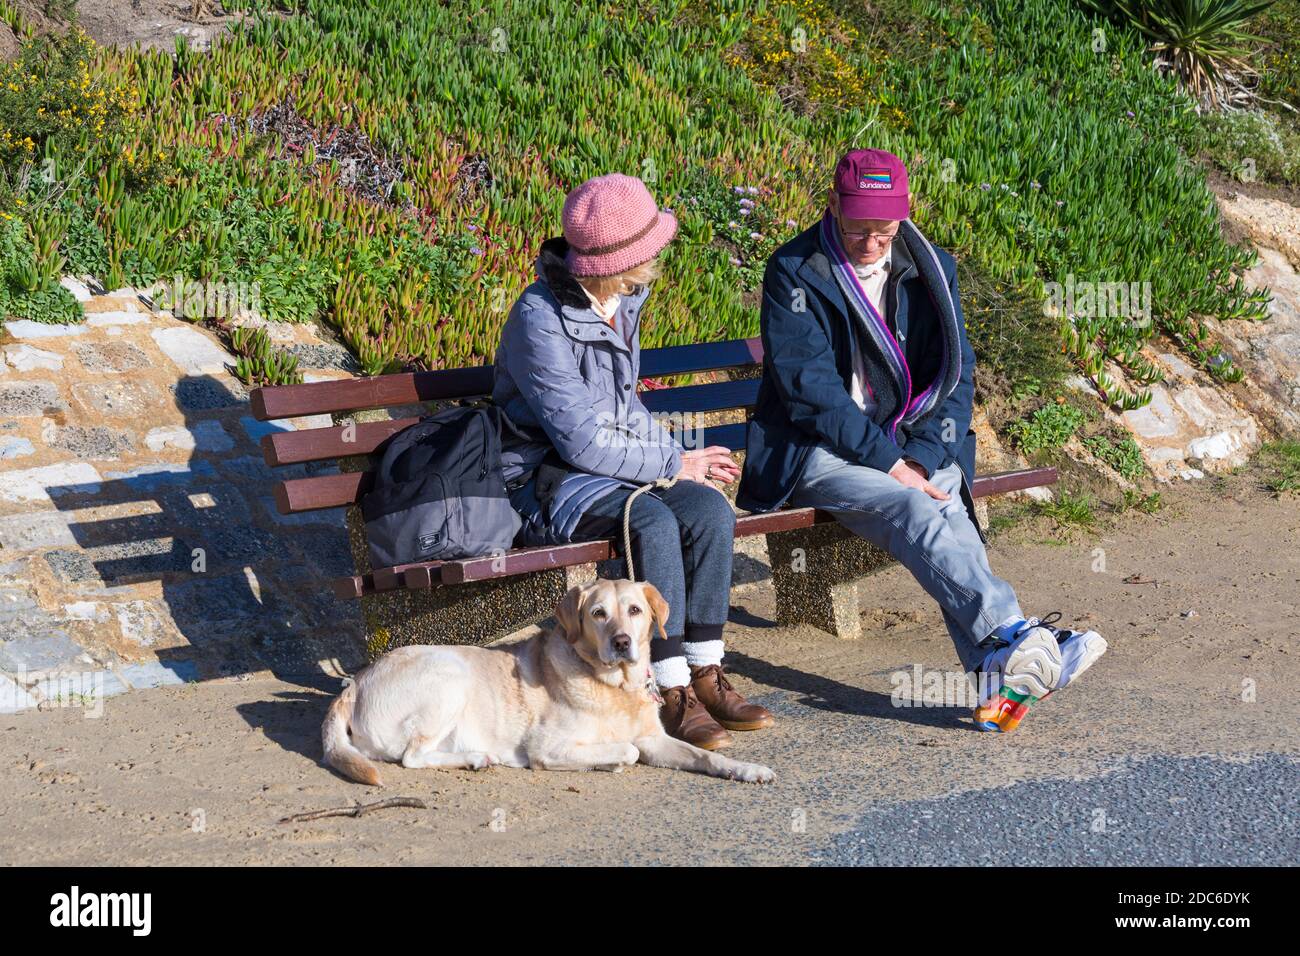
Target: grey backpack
(438,493)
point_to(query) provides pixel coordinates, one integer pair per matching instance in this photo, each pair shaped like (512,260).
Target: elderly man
(864,411)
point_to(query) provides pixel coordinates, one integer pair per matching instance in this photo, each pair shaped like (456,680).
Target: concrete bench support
(816,573)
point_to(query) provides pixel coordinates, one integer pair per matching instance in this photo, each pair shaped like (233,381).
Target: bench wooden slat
(381,391)
(524,561)
(327,444)
(321,491)
(710,397)
(1000,482)
(296,495)
(729,436)
(527,560)
(323,444)
(706,357)
(352,586)
(389,579)
(333,491)
(385,579)
(387,391)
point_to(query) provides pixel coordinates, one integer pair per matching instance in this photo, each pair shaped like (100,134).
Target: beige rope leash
(627,519)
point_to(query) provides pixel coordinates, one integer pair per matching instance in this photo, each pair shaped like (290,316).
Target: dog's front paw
(752,773)
(623,755)
(480,761)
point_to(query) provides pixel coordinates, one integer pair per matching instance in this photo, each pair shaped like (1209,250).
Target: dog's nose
(622,643)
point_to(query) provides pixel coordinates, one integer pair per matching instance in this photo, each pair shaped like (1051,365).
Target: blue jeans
(682,540)
(935,540)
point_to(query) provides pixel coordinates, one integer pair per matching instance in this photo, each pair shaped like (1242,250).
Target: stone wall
(1194,425)
(1269,351)
(139,541)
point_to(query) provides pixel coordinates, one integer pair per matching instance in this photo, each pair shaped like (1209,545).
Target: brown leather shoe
(685,718)
(723,703)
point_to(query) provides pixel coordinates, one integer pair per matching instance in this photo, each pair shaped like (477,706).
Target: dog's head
(609,623)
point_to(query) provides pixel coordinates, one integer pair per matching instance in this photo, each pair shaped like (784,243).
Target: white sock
(1008,628)
(671,672)
(1004,631)
(703,653)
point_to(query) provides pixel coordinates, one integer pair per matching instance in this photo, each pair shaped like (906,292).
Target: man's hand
(912,475)
(709,465)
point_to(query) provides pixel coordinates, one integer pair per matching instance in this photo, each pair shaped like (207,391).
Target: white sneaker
(1029,663)
(1027,671)
(1079,651)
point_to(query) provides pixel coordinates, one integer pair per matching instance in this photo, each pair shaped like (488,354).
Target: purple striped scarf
(912,407)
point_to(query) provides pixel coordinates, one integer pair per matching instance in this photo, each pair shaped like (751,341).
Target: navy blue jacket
(804,395)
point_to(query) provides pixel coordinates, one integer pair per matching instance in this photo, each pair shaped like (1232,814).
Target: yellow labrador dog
(577,697)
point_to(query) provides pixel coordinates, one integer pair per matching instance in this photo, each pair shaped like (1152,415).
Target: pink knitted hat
(612,223)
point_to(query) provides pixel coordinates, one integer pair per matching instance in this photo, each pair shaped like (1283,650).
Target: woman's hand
(709,465)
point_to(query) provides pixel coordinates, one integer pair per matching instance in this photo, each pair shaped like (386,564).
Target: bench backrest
(394,391)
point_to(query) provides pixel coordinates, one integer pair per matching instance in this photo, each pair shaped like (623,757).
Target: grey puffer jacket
(568,382)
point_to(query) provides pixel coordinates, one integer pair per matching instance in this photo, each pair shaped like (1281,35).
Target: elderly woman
(566,376)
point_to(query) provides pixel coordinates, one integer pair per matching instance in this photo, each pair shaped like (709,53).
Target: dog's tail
(339,750)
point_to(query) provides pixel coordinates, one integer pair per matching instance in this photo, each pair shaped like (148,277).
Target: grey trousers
(935,540)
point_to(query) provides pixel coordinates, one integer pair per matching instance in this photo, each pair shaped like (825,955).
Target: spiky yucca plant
(1198,40)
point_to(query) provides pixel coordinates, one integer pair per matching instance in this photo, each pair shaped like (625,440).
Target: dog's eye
(598,612)
(633,609)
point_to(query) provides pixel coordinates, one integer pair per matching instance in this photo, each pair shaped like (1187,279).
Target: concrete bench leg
(475,613)
(816,572)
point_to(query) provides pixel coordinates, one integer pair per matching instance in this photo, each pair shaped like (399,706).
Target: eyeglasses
(881,238)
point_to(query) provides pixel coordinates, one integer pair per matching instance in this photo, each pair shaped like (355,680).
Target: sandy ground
(151,24)
(201,774)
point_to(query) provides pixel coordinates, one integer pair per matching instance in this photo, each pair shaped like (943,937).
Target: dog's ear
(568,613)
(658,607)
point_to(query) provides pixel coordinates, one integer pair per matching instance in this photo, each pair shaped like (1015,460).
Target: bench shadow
(739,614)
(828,694)
(246,588)
(292,719)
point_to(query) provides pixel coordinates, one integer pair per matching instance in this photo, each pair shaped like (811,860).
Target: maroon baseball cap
(872,184)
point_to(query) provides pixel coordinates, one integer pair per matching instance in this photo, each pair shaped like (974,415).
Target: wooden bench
(815,563)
